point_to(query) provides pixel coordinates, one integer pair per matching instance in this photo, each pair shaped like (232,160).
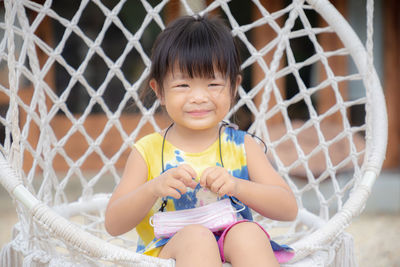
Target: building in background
(131,65)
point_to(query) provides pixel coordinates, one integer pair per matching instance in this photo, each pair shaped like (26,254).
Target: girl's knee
(197,234)
(197,230)
(248,243)
(192,238)
(249,232)
(247,229)
(189,245)
(197,241)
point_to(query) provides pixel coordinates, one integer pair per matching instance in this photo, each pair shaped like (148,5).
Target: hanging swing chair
(330,160)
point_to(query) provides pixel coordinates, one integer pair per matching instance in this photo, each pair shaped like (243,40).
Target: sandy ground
(376,236)
(376,240)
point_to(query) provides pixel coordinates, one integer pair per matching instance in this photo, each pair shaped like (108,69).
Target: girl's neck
(192,141)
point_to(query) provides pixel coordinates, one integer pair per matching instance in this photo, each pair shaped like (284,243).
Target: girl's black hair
(198,45)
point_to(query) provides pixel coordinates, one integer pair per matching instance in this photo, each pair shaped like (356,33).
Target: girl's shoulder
(240,137)
(149,141)
(235,135)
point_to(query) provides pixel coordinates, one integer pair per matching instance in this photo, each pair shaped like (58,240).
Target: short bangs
(199,46)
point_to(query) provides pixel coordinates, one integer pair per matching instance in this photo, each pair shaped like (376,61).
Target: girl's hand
(219,181)
(174,181)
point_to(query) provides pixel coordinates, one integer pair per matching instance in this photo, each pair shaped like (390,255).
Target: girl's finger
(190,176)
(217,185)
(185,177)
(223,190)
(177,185)
(204,175)
(229,188)
(172,192)
(212,176)
(189,169)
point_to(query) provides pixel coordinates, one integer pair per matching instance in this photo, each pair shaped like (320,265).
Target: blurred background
(376,232)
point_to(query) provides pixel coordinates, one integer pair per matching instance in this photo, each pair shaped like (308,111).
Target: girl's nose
(198,94)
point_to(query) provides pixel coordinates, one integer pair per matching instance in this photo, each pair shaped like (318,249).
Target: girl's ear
(157,90)
(238,82)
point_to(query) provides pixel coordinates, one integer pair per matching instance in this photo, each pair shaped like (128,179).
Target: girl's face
(195,103)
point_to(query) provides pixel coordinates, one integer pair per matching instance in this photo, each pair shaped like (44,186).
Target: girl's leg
(246,244)
(194,245)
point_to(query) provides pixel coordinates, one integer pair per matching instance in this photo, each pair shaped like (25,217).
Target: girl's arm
(132,199)
(135,196)
(266,192)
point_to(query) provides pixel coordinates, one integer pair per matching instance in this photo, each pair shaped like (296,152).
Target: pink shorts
(282,253)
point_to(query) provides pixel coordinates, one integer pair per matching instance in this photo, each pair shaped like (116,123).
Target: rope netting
(72,75)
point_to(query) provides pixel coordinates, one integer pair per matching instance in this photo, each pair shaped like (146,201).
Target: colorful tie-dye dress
(234,160)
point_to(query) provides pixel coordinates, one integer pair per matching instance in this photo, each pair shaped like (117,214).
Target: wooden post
(45,33)
(392,79)
(338,64)
(213,12)
(261,37)
(173,10)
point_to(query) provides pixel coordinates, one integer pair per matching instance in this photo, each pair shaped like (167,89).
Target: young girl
(199,160)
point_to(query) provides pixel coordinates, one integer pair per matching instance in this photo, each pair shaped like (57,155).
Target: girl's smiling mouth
(198,112)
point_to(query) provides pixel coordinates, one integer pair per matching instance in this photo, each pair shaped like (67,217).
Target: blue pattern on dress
(187,200)
(169,166)
(236,136)
(243,173)
(140,248)
(178,157)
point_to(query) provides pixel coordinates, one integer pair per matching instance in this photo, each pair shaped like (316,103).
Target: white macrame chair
(55,229)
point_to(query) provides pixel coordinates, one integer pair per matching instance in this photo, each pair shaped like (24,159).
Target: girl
(198,160)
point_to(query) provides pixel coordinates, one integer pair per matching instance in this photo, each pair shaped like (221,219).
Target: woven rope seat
(71,108)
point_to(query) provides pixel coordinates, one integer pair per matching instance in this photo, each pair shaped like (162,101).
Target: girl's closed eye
(182,85)
(216,86)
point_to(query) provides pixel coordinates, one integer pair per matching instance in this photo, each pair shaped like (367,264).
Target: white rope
(370,31)
(10,15)
(369,71)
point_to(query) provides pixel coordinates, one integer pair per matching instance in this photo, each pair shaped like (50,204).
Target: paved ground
(376,233)
(376,239)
